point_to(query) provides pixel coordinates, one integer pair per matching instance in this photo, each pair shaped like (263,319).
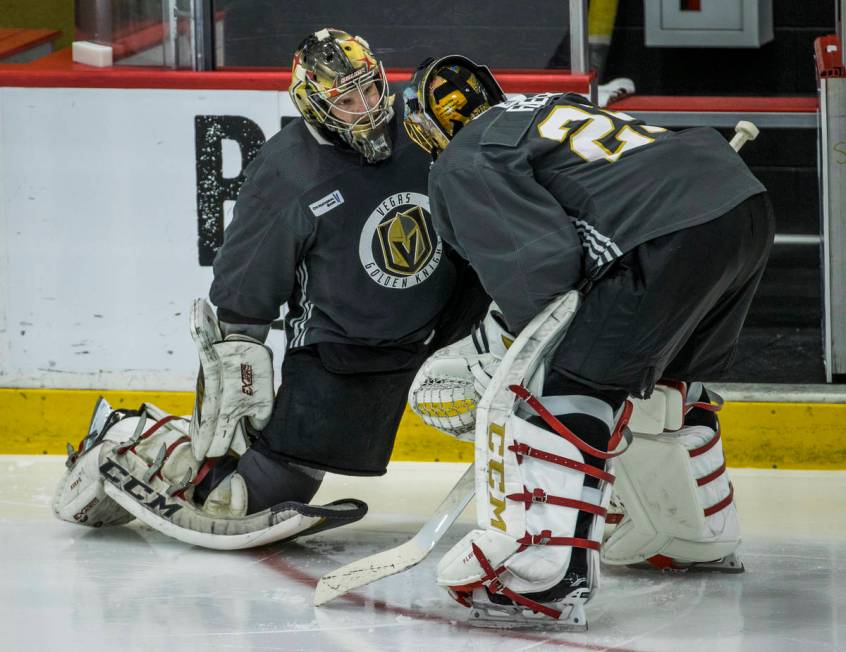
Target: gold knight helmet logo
(398,247)
(406,245)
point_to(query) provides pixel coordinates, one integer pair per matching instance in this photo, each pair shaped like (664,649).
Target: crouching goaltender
(632,254)
(332,220)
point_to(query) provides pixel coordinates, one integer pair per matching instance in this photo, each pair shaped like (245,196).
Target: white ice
(66,587)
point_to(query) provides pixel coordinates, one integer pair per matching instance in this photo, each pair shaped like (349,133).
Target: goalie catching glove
(448,386)
(140,464)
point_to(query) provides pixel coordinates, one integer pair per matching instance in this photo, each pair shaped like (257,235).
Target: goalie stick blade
(367,570)
(389,562)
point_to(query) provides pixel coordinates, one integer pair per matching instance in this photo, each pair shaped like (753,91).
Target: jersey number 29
(590,139)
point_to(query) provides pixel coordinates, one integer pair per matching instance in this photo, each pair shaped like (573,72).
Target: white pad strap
(235,382)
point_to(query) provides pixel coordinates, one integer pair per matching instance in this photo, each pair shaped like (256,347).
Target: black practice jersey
(348,246)
(542,193)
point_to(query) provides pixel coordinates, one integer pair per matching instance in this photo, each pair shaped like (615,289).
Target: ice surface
(65,587)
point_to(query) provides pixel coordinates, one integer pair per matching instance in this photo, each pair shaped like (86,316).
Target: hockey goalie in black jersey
(662,237)
(333,220)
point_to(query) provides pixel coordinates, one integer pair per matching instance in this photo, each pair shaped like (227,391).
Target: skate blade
(494,616)
(729,564)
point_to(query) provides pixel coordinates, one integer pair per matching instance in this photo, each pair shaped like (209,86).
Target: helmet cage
(323,101)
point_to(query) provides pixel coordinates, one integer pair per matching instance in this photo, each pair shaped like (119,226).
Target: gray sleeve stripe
(597,246)
(298,325)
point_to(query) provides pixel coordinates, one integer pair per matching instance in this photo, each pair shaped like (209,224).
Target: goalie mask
(445,94)
(341,91)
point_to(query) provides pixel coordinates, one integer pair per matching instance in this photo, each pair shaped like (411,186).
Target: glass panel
(140,32)
(499,33)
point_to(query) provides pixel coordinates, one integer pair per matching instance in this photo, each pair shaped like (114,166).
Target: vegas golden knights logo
(405,241)
(398,247)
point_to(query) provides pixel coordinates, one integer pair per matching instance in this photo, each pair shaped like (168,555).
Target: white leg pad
(662,411)
(538,567)
(678,500)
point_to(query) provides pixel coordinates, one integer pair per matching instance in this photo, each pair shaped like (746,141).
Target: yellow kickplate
(762,435)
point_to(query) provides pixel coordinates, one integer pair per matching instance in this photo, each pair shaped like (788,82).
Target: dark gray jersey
(348,246)
(542,193)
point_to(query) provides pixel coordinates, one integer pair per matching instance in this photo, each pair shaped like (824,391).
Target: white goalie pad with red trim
(80,496)
(235,383)
(529,491)
(145,469)
(678,501)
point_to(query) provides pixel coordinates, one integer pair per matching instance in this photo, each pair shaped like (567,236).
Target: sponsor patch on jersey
(327,203)
(398,246)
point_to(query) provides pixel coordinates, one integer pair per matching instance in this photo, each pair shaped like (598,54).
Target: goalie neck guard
(341,91)
(445,94)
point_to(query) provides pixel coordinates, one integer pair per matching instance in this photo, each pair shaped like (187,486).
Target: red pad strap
(545,538)
(622,426)
(709,407)
(520,449)
(725,502)
(705,479)
(613,519)
(158,424)
(559,427)
(170,448)
(706,447)
(538,495)
(687,407)
(147,433)
(201,473)
(461,597)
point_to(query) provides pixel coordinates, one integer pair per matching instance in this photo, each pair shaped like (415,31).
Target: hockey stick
(382,564)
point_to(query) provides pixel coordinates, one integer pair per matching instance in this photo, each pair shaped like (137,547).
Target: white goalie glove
(235,383)
(450,383)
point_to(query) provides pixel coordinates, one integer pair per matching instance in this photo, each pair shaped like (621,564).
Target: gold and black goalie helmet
(330,65)
(444,95)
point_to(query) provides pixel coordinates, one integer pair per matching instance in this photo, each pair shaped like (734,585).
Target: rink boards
(112,201)
(806,433)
